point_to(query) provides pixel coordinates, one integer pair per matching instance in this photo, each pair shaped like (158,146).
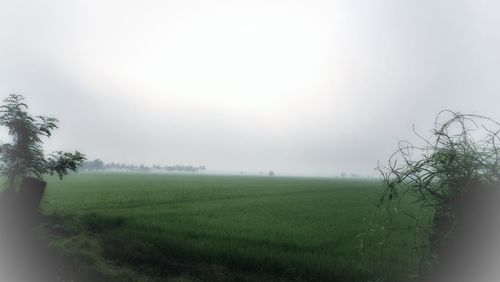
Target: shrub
(460,155)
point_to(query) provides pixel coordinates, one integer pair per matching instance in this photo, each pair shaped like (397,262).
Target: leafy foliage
(25,156)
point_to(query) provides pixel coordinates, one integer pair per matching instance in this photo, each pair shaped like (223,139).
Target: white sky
(300,87)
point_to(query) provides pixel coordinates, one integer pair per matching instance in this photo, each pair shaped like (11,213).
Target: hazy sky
(300,87)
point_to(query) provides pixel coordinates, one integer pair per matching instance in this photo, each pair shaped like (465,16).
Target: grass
(134,227)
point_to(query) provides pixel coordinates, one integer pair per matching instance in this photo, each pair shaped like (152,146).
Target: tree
(96,164)
(24,156)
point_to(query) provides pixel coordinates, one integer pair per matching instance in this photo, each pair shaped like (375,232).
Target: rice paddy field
(147,227)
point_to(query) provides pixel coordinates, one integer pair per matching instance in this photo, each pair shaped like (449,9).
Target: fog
(298,87)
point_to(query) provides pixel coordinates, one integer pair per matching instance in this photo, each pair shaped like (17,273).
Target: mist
(297,87)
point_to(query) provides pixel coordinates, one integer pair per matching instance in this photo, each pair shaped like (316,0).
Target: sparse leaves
(61,162)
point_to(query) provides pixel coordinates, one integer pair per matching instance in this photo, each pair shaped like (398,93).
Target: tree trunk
(31,194)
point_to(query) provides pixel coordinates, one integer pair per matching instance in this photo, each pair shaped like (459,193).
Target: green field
(137,227)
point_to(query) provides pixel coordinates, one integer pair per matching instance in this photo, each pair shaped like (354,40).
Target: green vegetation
(134,227)
(24,156)
(459,158)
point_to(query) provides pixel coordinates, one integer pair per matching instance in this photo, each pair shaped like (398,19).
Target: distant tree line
(99,165)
